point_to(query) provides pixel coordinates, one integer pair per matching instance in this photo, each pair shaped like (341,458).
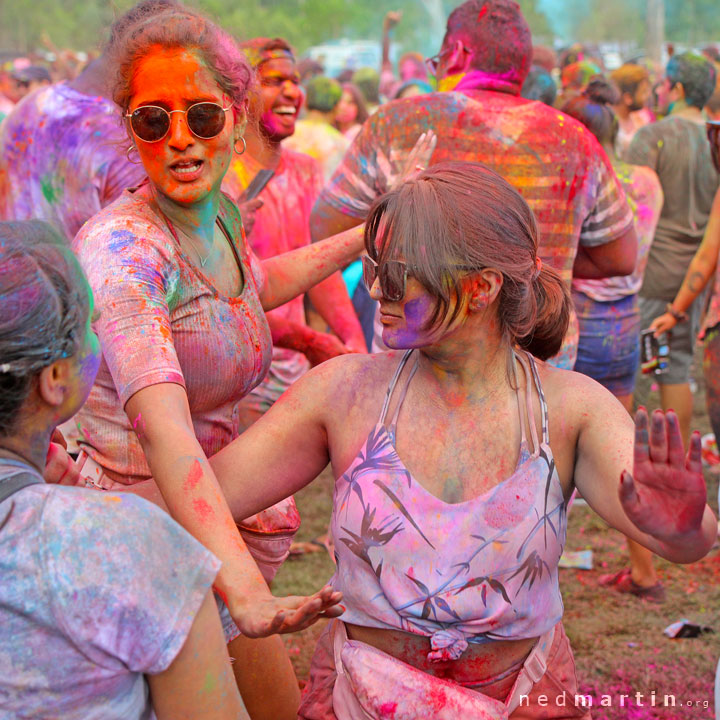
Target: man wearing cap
(586,226)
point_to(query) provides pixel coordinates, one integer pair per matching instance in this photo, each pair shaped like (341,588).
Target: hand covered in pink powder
(417,160)
(666,495)
(266,615)
(356,345)
(60,468)
(324,346)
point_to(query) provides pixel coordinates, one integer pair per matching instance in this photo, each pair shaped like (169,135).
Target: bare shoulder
(575,397)
(349,383)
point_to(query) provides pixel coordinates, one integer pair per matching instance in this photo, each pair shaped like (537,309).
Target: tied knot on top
(447,645)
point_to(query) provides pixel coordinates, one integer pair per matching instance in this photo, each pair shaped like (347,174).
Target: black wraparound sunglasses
(392,275)
(151,123)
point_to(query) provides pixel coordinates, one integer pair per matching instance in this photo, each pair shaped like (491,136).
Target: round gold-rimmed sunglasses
(151,123)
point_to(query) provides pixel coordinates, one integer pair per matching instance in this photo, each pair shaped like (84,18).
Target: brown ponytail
(552,301)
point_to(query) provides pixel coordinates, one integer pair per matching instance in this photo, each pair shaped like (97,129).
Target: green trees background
(80,24)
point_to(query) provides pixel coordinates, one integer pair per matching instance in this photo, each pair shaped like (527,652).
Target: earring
(130,160)
(244,146)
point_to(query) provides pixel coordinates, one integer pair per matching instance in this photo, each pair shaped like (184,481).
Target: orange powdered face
(181,165)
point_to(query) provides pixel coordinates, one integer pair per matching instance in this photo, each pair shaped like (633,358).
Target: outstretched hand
(417,160)
(268,615)
(665,496)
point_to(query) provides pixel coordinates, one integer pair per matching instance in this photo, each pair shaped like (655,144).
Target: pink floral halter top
(485,569)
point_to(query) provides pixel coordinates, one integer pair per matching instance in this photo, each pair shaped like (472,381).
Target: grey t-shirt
(679,152)
(97,590)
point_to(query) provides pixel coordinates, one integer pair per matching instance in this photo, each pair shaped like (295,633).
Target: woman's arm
(199,681)
(292,273)
(161,417)
(288,445)
(613,259)
(640,481)
(699,272)
(295,272)
(330,298)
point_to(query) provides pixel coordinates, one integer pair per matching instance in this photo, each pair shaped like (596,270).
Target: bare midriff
(478,664)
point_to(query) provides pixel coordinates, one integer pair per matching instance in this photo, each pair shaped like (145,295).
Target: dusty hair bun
(601,91)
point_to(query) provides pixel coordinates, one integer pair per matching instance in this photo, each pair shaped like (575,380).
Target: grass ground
(618,641)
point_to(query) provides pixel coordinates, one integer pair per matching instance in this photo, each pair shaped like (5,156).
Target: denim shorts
(609,347)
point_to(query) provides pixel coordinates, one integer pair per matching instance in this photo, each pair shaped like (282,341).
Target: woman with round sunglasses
(182,325)
(455,455)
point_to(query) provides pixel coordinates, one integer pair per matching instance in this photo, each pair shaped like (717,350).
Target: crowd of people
(222,270)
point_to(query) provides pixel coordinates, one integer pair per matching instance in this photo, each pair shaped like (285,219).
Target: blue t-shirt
(97,590)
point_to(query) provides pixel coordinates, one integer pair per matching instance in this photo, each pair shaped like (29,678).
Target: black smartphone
(257,184)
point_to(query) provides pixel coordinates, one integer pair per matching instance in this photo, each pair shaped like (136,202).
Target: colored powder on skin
(194,475)
(203,509)
(210,684)
(139,425)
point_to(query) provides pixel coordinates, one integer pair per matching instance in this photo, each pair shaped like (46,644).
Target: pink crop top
(485,569)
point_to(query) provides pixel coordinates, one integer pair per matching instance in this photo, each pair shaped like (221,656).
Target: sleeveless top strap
(392,384)
(529,408)
(543,402)
(393,422)
(516,361)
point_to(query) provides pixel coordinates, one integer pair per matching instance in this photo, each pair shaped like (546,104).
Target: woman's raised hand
(417,160)
(268,615)
(665,496)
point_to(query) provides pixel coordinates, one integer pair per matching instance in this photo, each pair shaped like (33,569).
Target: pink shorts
(551,698)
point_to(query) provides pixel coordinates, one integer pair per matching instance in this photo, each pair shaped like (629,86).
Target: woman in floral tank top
(455,454)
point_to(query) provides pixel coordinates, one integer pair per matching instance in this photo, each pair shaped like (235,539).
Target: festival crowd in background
(221,270)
